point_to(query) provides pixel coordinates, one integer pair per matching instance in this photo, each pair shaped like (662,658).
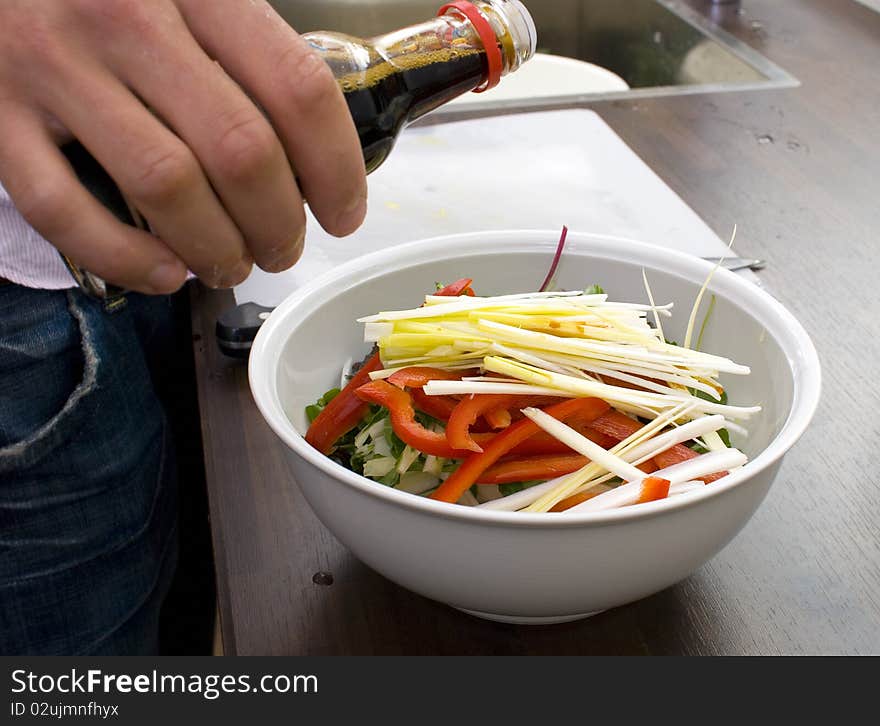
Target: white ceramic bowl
(532,567)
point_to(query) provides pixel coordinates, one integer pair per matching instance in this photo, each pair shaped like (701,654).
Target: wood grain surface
(798,170)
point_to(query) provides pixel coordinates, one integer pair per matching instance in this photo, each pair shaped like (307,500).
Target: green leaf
(390,479)
(706,397)
(723,434)
(312,411)
(594,290)
(329,396)
(397,446)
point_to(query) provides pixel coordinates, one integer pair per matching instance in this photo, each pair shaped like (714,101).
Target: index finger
(297,90)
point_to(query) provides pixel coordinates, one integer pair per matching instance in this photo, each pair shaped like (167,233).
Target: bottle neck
(506,24)
(432,62)
(502,30)
(395,78)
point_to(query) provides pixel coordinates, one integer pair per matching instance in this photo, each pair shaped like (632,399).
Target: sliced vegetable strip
(465,414)
(459,287)
(544,443)
(471,468)
(530,468)
(440,407)
(619,426)
(344,412)
(616,425)
(680,453)
(576,499)
(653,488)
(498,418)
(418,376)
(403,419)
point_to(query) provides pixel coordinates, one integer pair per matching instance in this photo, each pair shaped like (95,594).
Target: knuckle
(34,43)
(45,205)
(133,16)
(246,145)
(163,173)
(311,82)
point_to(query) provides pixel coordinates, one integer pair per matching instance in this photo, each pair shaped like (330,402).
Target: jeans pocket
(84,481)
(48,365)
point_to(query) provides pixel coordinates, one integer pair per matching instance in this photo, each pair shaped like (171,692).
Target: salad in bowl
(541,449)
(546,401)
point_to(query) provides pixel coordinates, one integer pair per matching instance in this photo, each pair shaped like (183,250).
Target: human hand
(221,184)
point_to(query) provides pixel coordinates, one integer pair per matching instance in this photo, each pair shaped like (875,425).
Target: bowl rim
(793,339)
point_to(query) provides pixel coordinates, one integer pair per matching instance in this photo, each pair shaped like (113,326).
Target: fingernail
(238,274)
(167,277)
(288,257)
(351,217)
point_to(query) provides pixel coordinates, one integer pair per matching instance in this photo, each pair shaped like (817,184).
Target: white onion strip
(686,471)
(583,445)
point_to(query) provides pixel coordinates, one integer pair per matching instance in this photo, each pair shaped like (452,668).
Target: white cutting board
(524,171)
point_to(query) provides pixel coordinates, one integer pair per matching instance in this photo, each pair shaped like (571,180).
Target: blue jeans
(88,491)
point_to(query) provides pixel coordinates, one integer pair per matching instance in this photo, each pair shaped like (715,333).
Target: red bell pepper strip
(471,468)
(498,418)
(680,453)
(468,410)
(541,466)
(573,500)
(459,287)
(544,443)
(618,426)
(440,407)
(403,419)
(343,412)
(653,488)
(546,466)
(418,376)
(472,406)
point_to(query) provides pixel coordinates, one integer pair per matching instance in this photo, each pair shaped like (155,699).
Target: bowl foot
(529,620)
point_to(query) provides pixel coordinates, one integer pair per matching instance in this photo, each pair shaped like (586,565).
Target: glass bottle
(388,81)
(393,79)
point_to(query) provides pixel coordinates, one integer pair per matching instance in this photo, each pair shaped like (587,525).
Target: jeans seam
(169,542)
(14,454)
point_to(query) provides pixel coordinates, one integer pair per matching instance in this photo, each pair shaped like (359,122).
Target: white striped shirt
(25,257)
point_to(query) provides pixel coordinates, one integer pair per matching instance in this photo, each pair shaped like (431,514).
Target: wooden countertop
(799,171)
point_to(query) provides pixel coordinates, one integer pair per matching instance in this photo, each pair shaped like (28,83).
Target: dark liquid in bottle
(389,96)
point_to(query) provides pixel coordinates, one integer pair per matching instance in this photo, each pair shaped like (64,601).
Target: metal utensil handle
(738,263)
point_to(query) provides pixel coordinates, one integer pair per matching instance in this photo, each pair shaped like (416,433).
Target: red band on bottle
(487,37)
